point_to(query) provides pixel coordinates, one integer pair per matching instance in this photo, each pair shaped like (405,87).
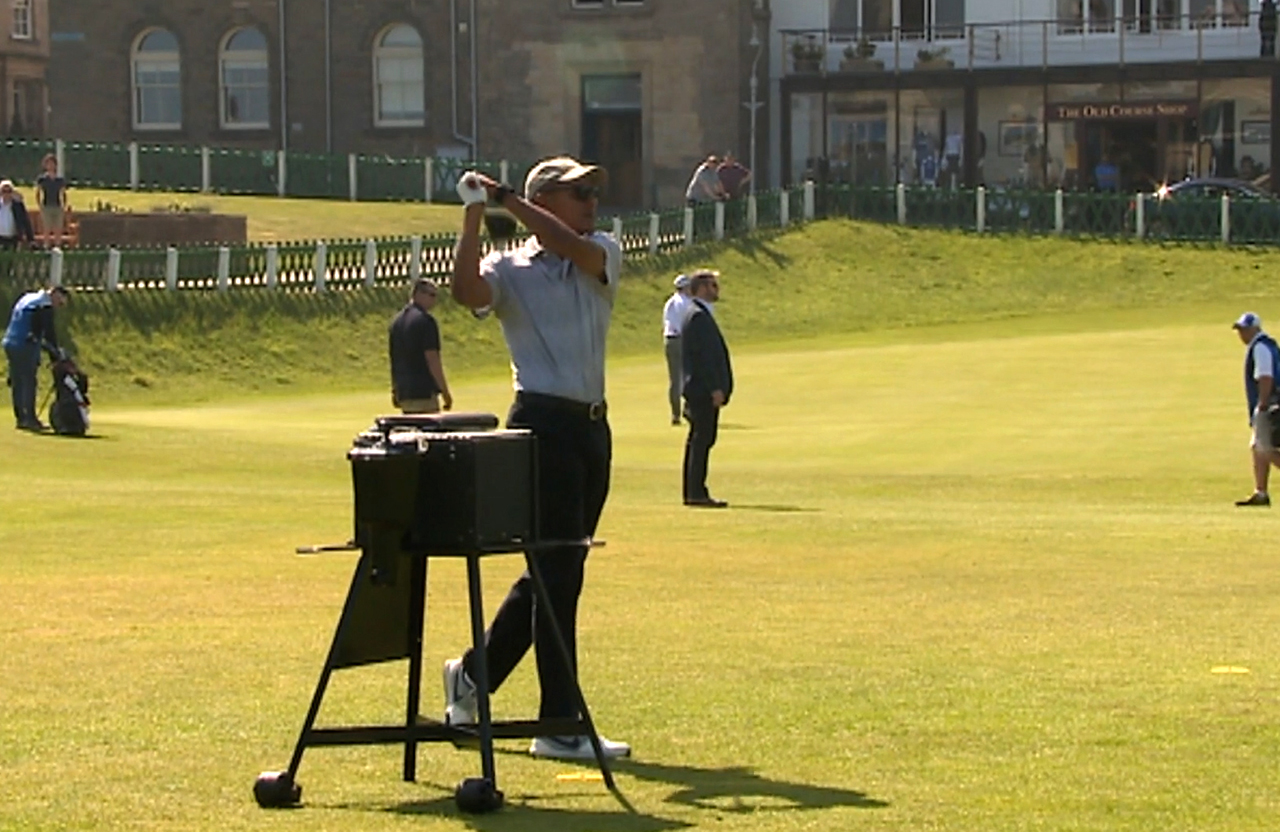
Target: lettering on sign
(1120,111)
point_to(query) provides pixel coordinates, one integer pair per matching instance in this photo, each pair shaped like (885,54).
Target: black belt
(593,411)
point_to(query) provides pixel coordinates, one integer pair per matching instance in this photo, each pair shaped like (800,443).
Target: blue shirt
(555,318)
(23,318)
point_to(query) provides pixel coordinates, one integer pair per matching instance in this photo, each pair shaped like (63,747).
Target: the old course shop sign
(1123,110)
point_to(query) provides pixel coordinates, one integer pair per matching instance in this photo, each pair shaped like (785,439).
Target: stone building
(646,87)
(24,55)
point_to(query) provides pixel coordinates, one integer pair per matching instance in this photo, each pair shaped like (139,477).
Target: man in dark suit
(708,384)
(15,224)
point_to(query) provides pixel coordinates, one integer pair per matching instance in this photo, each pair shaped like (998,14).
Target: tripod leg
(357,580)
(540,587)
(417,617)
(482,669)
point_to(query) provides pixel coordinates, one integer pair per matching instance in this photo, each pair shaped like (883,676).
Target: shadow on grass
(741,789)
(520,813)
(778,508)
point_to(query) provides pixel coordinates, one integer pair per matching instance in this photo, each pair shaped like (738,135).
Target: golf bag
(69,413)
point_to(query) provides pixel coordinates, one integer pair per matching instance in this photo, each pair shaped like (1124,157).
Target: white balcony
(1025,44)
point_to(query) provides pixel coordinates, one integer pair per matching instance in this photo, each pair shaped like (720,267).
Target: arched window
(244,81)
(157,81)
(398,78)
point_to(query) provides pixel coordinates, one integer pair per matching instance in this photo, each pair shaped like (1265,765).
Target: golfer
(1261,358)
(30,329)
(554,297)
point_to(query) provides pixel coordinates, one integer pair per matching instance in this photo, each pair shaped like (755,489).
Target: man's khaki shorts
(51,220)
(1261,441)
(431,405)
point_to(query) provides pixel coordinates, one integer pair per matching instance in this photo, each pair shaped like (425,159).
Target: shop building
(1108,94)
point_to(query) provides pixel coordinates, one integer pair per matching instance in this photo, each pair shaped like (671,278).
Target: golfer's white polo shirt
(555,318)
(1261,359)
(673,315)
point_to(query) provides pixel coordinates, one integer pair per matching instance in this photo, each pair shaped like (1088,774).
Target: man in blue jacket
(30,329)
(1261,358)
(708,384)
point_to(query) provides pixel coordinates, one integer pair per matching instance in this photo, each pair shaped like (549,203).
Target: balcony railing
(1075,41)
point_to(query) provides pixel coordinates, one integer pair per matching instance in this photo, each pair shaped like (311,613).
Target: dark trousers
(24,362)
(574,456)
(704,422)
(1269,44)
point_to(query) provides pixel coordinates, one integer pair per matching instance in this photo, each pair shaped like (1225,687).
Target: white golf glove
(470,189)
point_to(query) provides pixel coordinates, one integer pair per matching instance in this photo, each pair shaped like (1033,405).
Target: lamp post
(754,104)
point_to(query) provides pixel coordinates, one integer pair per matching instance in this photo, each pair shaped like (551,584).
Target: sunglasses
(582,193)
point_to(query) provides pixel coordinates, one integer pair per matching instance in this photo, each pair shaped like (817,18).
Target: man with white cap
(673,314)
(15,223)
(1261,358)
(553,296)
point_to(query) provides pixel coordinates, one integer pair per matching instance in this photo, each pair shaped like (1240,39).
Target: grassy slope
(975,587)
(271,218)
(830,280)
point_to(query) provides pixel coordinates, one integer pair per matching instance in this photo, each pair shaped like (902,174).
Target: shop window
(399,78)
(244,80)
(858,141)
(157,81)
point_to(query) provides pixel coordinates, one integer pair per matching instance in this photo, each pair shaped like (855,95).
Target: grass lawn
(274,219)
(980,565)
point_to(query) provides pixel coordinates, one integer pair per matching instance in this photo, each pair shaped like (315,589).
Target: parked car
(1192,209)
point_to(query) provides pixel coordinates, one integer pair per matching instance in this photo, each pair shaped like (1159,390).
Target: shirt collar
(1255,338)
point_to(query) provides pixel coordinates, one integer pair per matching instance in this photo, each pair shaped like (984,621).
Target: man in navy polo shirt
(1261,358)
(417,374)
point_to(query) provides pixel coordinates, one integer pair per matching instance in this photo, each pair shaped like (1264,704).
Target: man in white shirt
(15,224)
(1261,358)
(673,315)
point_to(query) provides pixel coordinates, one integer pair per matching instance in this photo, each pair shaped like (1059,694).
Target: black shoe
(706,502)
(1255,499)
(35,426)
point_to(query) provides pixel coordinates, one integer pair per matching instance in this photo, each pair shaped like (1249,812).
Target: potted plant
(934,58)
(860,56)
(807,54)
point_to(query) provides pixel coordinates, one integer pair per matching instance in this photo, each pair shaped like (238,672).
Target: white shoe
(459,695)
(576,748)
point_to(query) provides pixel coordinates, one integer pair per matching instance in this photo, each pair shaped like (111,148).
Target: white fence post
(784,208)
(113,269)
(1140,215)
(60,152)
(617,232)
(900,193)
(688,226)
(429,179)
(504,172)
(753,215)
(810,210)
(1059,212)
(353,173)
(224,268)
(415,257)
(282,173)
(321,265)
(55,267)
(135,172)
(370,263)
(655,225)
(981,208)
(171,268)
(206,170)
(273,265)
(1226,218)
(719,220)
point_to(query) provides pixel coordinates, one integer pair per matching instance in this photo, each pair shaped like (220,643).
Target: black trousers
(574,456)
(704,423)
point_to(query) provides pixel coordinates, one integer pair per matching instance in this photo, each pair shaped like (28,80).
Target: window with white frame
(917,19)
(398,78)
(244,81)
(22,27)
(157,81)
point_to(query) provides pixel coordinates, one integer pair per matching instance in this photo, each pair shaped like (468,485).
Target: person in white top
(1260,359)
(673,315)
